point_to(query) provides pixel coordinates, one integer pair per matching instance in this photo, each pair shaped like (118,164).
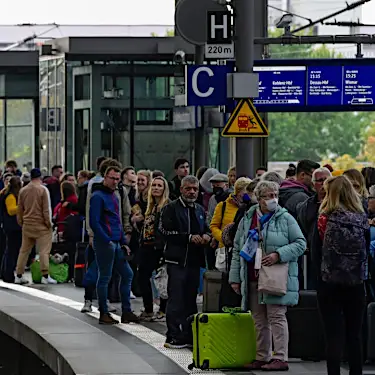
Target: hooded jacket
(291,194)
(281,235)
(104,212)
(205,187)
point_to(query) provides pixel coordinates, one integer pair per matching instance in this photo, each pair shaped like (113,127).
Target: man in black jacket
(308,213)
(183,224)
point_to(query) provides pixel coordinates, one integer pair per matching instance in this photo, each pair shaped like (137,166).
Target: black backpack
(344,251)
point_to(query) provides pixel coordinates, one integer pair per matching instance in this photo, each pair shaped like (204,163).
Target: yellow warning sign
(245,122)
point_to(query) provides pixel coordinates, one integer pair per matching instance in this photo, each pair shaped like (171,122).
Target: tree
(169,32)
(345,162)
(317,135)
(368,153)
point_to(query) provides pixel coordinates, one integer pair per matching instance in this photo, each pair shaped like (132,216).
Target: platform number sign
(219,36)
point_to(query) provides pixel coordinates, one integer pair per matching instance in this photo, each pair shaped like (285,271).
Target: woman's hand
(236,287)
(270,260)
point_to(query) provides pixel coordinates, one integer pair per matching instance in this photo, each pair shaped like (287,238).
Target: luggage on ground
(80,266)
(371,332)
(306,334)
(223,340)
(59,272)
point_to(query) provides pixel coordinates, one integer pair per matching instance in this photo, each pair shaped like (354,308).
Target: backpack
(344,251)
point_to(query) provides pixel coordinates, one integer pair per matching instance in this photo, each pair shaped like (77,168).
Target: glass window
(2,156)
(115,87)
(151,87)
(82,87)
(20,125)
(150,116)
(82,141)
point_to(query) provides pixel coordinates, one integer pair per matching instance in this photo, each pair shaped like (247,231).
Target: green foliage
(314,135)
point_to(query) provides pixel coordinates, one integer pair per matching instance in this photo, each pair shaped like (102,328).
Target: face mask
(254,199)
(272,204)
(218,190)
(246,198)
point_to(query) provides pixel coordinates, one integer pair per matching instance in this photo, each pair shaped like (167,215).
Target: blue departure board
(284,85)
(321,85)
(324,85)
(358,85)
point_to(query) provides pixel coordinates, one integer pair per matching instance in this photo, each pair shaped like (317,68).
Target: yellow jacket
(11,204)
(218,223)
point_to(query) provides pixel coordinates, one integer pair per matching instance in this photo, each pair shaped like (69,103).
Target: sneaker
(132,296)
(107,319)
(48,280)
(21,280)
(87,307)
(147,317)
(256,365)
(174,344)
(160,316)
(276,365)
(129,317)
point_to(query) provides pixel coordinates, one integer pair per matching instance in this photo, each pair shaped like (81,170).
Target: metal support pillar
(244,52)
(260,155)
(200,141)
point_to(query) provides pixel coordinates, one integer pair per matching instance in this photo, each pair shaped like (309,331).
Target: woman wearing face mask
(225,212)
(151,247)
(282,242)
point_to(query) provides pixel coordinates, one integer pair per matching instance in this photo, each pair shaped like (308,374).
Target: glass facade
(52,112)
(20,130)
(17,119)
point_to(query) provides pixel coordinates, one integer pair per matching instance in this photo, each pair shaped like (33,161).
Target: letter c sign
(195,76)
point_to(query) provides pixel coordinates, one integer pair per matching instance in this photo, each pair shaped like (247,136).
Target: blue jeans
(108,257)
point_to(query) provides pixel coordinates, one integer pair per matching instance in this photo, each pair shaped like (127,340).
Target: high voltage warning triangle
(245,122)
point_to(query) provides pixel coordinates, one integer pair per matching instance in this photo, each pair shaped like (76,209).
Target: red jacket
(61,213)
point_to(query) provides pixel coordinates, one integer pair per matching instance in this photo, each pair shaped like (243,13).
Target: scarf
(252,242)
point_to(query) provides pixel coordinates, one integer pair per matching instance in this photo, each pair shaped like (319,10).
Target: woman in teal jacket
(283,242)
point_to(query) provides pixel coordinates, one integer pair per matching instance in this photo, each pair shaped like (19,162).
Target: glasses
(321,180)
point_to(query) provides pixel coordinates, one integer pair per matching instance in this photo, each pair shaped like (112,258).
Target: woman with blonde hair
(151,246)
(344,230)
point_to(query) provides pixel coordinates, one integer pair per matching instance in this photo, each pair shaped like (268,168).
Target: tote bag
(273,280)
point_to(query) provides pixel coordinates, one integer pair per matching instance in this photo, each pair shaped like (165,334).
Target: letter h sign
(219,27)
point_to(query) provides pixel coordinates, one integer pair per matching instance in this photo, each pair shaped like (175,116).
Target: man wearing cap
(35,217)
(220,186)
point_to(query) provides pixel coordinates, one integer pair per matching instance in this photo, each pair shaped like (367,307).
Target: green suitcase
(223,340)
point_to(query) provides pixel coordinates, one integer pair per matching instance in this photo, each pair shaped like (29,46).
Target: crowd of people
(149,231)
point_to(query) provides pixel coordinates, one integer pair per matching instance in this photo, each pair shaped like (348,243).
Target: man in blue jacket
(110,246)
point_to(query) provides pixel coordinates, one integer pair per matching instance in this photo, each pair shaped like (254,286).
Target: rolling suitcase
(225,340)
(371,332)
(306,335)
(80,266)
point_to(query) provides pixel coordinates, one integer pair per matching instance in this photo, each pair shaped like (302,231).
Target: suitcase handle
(232,310)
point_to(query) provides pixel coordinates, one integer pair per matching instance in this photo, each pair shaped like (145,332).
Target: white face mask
(272,204)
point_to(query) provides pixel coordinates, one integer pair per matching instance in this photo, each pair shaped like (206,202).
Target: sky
(120,12)
(124,12)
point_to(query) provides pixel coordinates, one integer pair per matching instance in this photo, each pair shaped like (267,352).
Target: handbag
(273,279)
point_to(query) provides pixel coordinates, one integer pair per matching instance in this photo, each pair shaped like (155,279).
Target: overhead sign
(293,85)
(245,122)
(191,19)
(219,35)
(206,85)
(317,86)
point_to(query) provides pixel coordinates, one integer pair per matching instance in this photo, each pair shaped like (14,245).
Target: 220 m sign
(219,51)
